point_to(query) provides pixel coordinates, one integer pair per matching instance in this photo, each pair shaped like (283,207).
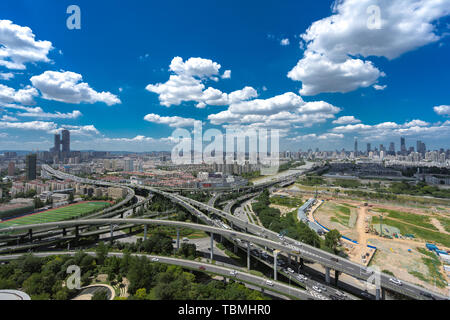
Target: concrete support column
(235,249)
(121,215)
(302,263)
(383,294)
(327,275)
(212,246)
(145,232)
(111,231)
(289,259)
(378,294)
(275,272)
(178,238)
(30,235)
(131,229)
(248,256)
(336,277)
(64,232)
(77,232)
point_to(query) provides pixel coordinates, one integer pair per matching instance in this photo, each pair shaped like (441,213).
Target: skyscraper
(369,148)
(356,147)
(30,169)
(57,144)
(403,146)
(65,141)
(392,148)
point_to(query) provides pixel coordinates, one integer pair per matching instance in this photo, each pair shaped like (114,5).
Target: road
(299,249)
(202,267)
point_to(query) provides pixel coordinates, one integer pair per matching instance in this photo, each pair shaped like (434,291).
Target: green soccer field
(55,215)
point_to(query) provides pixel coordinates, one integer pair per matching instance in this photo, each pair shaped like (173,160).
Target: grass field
(55,215)
(428,235)
(416,219)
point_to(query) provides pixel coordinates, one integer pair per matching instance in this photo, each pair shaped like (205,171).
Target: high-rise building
(65,141)
(403,146)
(356,147)
(421,148)
(11,169)
(369,148)
(30,168)
(57,144)
(392,148)
(128,165)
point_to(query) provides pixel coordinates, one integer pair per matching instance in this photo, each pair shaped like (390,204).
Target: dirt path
(438,225)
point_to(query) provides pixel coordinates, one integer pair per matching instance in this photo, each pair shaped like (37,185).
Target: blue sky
(322,87)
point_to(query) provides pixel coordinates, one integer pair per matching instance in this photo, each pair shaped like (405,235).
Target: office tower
(57,144)
(356,147)
(369,148)
(403,146)
(382,148)
(11,169)
(65,141)
(392,148)
(421,148)
(30,168)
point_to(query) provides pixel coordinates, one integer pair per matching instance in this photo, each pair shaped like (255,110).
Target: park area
(54,215)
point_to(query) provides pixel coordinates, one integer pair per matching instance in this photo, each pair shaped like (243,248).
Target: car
(269,283)
(233,272)
(317,289)
(340,294)
(426,295)
(290,270)
(155,259)
(202,268)
(395,281)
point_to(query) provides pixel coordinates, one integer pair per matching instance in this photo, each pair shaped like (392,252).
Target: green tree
(332,239)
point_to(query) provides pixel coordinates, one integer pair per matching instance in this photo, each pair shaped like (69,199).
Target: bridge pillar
(327,275)
(275,273)
(111,231)
(378,294)
(289,259)
(30,234)
(64,232)
(235,249)
(145,232)
(131,229)
(248,256)
(121,215)
(302,263)
(383,294)
(134,210)
(178,238)
(212,246)
(336,277)
(77,231)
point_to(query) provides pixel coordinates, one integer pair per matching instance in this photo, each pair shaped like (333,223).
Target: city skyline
(132,97)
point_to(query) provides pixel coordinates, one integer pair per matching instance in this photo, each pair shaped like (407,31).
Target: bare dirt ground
(438,225)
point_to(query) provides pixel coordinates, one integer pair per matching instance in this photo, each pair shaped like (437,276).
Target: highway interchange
(250,234)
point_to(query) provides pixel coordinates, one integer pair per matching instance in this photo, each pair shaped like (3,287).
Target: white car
(395,281)
(155,259)
(269,283)
(290,270)
(316,288)
(233,273)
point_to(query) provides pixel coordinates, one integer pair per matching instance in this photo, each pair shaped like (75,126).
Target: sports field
(55,215)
